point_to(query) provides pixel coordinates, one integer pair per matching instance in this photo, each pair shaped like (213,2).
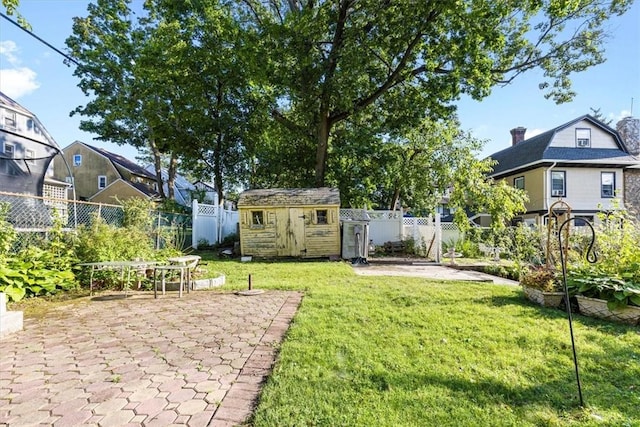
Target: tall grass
(392,351)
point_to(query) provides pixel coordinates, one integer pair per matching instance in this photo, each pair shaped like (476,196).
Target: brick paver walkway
(199,360)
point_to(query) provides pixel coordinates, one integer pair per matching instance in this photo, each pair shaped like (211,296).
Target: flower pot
(546,299)
(594,307)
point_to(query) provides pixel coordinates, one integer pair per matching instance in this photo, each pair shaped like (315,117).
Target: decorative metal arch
(558,213)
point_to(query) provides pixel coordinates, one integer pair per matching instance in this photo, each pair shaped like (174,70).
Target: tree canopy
(354,94)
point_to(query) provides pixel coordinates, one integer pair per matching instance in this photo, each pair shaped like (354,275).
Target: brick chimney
(629,130)
(517,135)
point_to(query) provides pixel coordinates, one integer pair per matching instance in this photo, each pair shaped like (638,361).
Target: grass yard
(400,351)
(392,351)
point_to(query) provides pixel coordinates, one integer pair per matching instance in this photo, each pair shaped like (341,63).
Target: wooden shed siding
(278,235)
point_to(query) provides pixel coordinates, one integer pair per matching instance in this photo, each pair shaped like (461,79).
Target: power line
(67,57)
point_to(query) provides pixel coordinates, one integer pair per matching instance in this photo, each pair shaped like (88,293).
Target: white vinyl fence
(212,223)
(391,226)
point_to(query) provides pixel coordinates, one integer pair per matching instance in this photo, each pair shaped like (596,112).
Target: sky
(35,76)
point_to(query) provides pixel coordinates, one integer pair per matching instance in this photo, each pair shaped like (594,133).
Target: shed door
(290,232)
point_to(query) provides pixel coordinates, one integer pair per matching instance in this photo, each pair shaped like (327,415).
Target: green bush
(36,270)
(615,277)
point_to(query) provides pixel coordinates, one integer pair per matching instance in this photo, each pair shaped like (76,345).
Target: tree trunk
(324,128)
(173,168)
(157,163)
(395,198)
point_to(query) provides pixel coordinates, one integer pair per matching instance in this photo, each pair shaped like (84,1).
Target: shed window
(257,218)
(321,216)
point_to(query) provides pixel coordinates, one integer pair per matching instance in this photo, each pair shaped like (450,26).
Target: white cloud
(8,49)
(17,80)
(617,117)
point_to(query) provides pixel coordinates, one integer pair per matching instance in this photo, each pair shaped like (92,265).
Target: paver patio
(199,360)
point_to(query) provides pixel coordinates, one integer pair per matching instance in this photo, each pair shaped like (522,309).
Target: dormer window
(9,120)
(583,138)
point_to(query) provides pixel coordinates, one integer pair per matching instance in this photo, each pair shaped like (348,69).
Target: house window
(583,138)
(519,182)
(9,151)
(9,119)
(558,184)
(321,216)
(102,182)
(257,218)
(581,221)
(607,184)
(30,156)
(77,159)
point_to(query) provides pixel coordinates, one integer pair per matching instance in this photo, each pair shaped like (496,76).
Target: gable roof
(118,160)
(141,188)
(290,197)
(536,150)
(7,102)
(181,185)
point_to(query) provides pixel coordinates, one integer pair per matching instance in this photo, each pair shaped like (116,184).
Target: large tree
(176,82)
(404,60)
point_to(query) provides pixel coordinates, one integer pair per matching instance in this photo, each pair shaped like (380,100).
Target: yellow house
(104,177)
(581,162)
(297,222)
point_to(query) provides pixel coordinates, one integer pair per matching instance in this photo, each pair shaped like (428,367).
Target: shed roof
(290,197)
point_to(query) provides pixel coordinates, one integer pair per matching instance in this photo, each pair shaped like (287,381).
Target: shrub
(616,275)
(36,270)
(541,278)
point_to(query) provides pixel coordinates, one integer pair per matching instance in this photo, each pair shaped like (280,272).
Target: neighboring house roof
(290,197)
(181,185)
(141,188)
(118,160)
(10,103)
(536,150)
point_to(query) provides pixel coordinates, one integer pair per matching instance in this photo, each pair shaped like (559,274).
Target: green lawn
(390,351)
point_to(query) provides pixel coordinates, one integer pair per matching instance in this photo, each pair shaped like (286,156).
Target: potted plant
(606,296)
(542,286)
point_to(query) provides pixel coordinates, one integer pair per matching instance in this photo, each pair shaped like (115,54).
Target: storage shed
(294,222)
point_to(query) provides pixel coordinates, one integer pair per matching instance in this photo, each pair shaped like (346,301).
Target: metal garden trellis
(592,258)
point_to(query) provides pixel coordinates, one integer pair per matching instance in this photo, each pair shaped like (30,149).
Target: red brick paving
(198,360)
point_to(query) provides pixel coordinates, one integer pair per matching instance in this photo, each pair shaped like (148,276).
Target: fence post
(438,231)
(194,221)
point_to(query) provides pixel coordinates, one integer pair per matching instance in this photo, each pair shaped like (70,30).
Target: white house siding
(599,138)
(583,188)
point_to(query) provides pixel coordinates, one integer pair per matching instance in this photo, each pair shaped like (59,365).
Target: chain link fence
(33,217)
